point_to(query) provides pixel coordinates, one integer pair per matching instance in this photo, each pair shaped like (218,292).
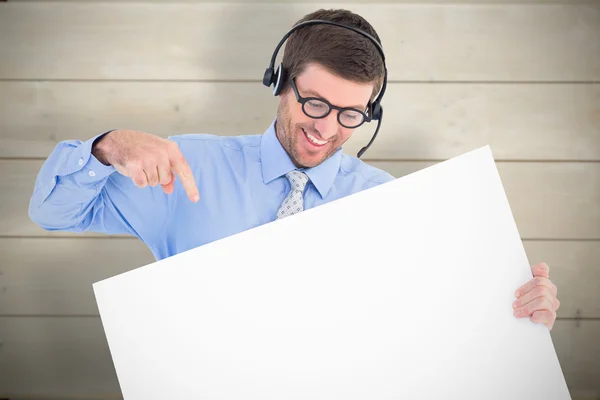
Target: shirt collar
(276,162)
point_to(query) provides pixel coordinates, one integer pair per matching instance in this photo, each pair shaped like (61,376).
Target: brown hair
(343,52)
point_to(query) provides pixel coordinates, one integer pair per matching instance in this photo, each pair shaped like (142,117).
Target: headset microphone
(362,151)
(279,77)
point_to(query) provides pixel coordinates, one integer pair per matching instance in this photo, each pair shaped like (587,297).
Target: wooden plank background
(522,76)
(573,187)
(45,281)
(233,41)
(428,122)
(76,348)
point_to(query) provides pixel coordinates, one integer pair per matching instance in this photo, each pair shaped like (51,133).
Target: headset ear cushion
(280,78)
(268,77)
(376,114)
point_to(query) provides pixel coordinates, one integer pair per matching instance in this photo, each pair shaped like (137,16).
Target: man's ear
(286,89)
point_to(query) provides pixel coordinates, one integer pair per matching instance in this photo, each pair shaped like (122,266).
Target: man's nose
(327,126)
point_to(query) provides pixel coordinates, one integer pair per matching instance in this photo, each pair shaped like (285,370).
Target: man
(124,181)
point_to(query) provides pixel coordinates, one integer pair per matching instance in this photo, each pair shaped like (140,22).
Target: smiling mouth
(313,140)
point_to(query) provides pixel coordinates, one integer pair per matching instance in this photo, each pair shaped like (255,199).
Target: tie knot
(297,180)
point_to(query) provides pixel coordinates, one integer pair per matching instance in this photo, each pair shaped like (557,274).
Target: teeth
(314,139)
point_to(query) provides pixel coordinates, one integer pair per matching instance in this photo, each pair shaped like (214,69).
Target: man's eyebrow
(316,94)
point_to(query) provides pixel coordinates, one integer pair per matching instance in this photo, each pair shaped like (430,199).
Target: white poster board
(403,291)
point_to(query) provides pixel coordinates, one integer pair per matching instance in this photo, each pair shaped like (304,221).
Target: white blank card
(402,291)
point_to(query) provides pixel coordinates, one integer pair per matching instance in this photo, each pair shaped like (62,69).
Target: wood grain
(196,41)
(55,357)
(69,357)
(548,200)
(522,76)
(57,278)
(421,121)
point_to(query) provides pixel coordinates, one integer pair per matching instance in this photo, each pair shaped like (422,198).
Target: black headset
(278,78)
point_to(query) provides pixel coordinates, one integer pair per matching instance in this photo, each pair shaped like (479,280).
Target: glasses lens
(351,118)
(316,108)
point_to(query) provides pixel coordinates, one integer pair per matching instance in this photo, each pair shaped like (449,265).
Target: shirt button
(80,162)
(92,173)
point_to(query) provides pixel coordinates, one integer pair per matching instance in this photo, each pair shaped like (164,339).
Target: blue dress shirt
(241,181)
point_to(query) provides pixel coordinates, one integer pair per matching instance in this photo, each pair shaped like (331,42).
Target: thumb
(541,269)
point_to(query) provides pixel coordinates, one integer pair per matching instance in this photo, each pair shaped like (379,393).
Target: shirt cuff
(83,160)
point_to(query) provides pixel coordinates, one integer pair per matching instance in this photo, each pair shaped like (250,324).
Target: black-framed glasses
(316,108)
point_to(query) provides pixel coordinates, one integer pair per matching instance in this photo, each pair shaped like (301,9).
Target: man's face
(310,141)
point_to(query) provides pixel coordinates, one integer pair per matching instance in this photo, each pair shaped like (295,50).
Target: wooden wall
(522,76)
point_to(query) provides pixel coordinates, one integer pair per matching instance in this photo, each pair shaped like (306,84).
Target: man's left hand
(537,298)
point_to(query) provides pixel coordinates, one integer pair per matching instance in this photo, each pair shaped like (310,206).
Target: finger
(183,170)
(139,178)
(168,188)
(544,317)
(537,304)
(537,291)
(164,173)
(152,175)
(541,269)
(537,281)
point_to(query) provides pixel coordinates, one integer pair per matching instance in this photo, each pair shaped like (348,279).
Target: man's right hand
(146,159)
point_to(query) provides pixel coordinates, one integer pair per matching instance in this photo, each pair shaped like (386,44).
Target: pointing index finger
(183,170)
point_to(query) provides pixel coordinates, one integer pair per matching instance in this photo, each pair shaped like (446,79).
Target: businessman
(179,193)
